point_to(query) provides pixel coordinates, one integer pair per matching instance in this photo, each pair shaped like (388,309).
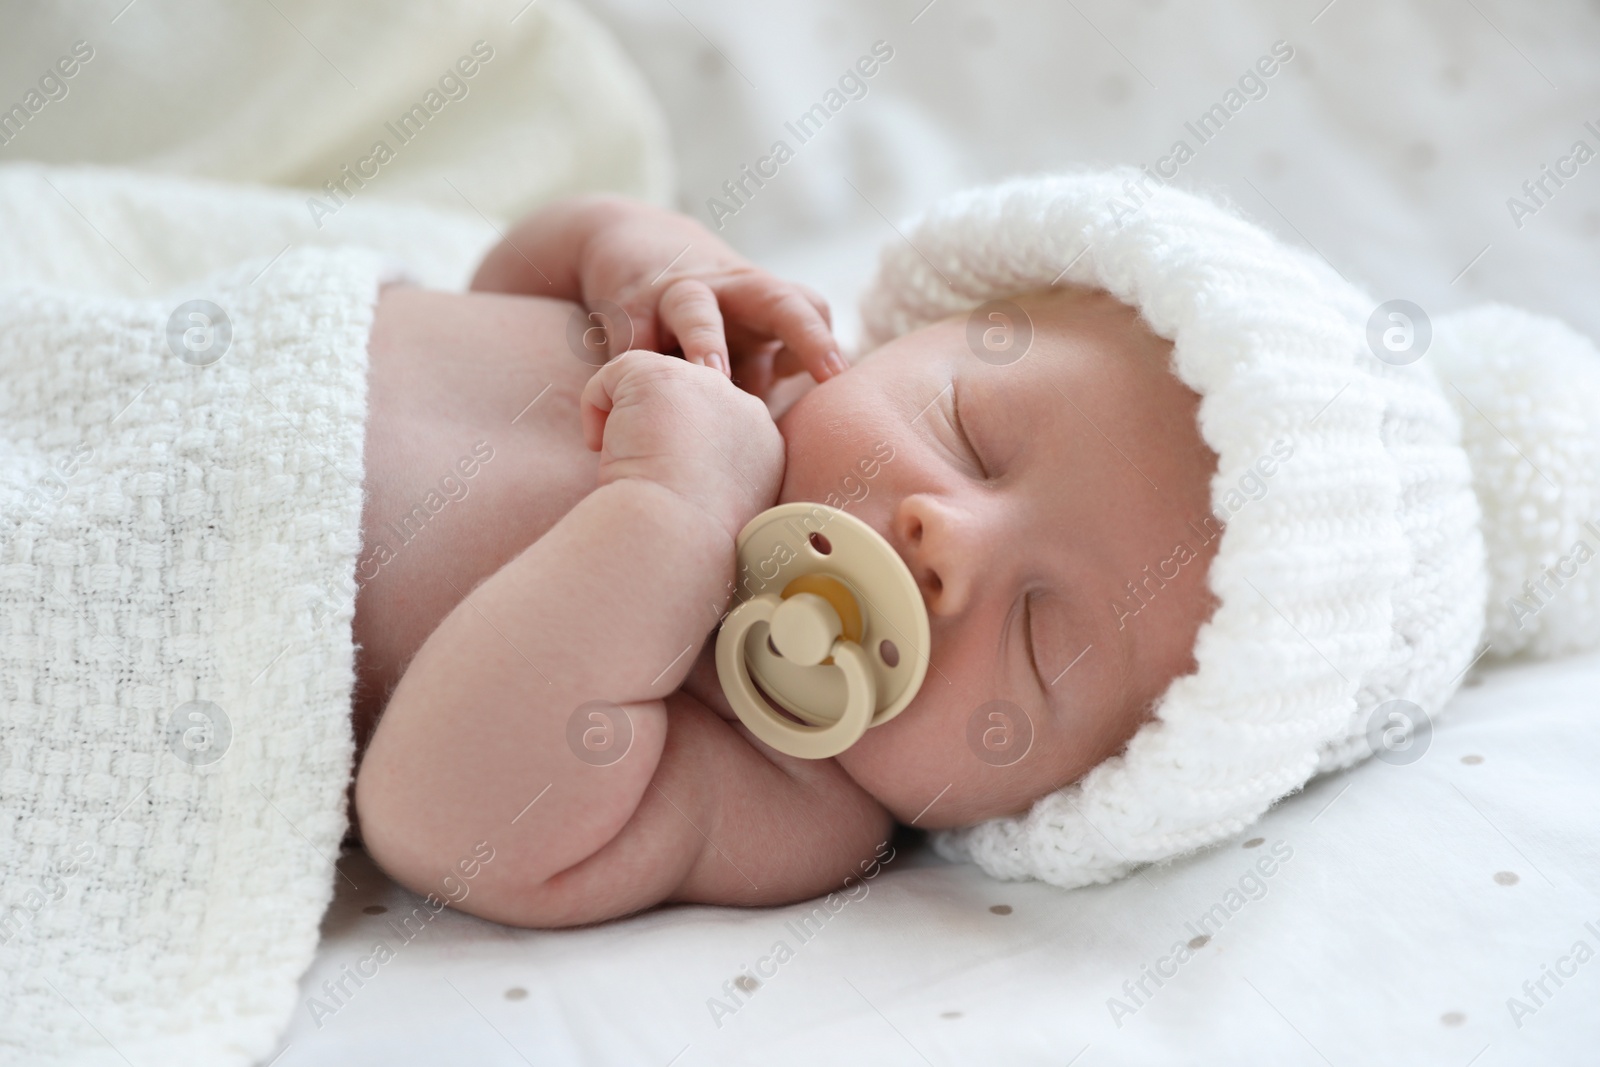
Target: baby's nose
(943,550)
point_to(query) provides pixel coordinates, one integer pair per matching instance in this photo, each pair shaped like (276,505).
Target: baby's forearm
(609,605)
(621,592)
(541,254)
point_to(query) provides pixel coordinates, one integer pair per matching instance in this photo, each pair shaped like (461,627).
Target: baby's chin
(870,763)
(913,773)
(885,763)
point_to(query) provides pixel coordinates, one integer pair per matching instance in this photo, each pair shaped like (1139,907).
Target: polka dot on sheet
(710,63)
(516,992)
(1420,155)
(747,983)
(949,1015)
(1000,909)
(1255,842)
(1115,89)
(1452,1018)
(374,909)
(1472,761)
(980,31)
(1200,942)
(1506,877)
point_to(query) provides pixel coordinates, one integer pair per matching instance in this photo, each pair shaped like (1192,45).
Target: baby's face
(1024,498)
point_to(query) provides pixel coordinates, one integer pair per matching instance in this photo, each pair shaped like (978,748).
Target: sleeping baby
(1205,521)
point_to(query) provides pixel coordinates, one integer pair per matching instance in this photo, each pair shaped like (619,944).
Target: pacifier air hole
(818,668)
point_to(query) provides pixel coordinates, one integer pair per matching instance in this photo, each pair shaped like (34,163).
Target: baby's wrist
(692,522)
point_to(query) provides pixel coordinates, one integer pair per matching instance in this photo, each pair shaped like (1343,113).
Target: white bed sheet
(1388,935)
(1390,144)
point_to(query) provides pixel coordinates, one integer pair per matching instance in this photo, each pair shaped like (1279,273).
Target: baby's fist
(687,428)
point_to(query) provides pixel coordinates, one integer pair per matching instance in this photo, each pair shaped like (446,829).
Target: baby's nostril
(935,585)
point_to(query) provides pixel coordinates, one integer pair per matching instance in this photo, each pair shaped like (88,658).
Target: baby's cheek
(916,763)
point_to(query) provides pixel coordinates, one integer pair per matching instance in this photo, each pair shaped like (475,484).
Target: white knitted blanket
(180,503)
(179,514)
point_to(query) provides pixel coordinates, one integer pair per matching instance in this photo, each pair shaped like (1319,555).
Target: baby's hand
(679,286)
(683,287)
(687,428)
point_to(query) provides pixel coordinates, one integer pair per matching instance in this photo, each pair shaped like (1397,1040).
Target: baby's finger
(786,362)
(636,327)
(817,302)
(688,309)
(595,402)
(754,374)
(762,303)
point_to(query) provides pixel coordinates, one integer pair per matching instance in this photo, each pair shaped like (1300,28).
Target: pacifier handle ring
(806,742)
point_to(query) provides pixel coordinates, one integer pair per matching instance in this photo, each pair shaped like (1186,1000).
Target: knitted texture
(173,533)
(1357,578)
(1528,390)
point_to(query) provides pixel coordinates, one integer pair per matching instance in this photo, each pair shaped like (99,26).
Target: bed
(1407,906)
(1441,910)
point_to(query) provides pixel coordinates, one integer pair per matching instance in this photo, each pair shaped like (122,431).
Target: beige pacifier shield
(792,540)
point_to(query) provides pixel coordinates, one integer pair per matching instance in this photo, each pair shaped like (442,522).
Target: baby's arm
(677,284)
(611,604)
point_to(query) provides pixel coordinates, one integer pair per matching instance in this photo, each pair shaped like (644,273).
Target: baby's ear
(1527,390)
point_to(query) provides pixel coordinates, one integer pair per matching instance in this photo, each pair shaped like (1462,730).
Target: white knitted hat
(1431,507)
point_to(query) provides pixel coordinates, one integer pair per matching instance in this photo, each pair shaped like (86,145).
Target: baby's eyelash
(1027,628)
(955,417)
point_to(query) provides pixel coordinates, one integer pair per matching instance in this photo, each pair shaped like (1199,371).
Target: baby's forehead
(1077,307)
(1096,385)
(1069,332)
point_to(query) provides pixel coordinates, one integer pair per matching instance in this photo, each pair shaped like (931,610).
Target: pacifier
(829,624)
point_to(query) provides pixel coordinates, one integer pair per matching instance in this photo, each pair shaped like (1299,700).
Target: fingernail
(724,364)
(836,362)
